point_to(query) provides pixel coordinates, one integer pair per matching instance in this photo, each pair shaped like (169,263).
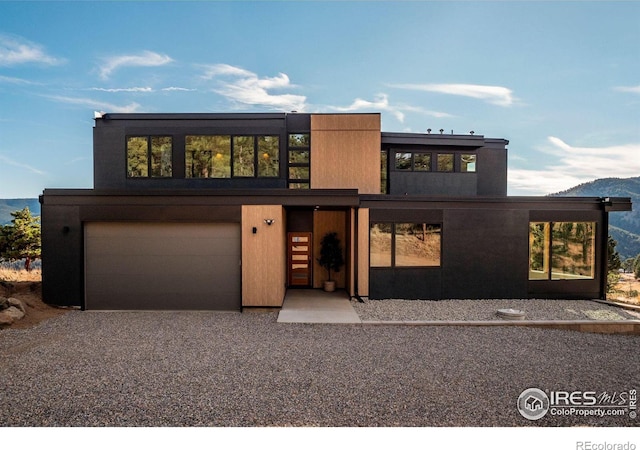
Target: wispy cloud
(632,89)
(14,163)
(144,59)
(381,103)
(174,88)
(15,50)
(243,86)
(13,80)
(496,95)
(131,89)
(577,165)
(96,104)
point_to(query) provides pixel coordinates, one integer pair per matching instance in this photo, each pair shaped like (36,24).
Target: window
(268,156)
(384,176)
(223,156)
(244,155)
(299,161)
(422,162)
(467,163)
(445,162)
(403,161)
(208,156)
(561,250)
(405,245)
(299,140)
(380,245)
(149,156)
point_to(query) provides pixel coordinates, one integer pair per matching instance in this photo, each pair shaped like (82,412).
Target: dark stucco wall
(485,249)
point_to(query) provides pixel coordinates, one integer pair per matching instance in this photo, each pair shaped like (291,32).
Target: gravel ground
(456,310)
(233,369)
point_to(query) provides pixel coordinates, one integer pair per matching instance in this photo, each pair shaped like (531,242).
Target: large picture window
(208,156)
(149,156)
(224,156)
(562,250)
(405,245)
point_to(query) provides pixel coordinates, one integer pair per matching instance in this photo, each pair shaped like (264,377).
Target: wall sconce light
(269,221)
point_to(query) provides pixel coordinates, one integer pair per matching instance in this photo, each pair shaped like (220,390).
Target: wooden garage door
(162,266)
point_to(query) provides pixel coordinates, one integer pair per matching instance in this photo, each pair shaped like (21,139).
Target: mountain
(7,206)
(624,227)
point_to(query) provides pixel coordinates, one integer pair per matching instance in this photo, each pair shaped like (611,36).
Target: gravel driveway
(233,369)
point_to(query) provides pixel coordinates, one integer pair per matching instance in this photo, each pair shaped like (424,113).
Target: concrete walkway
(317,306)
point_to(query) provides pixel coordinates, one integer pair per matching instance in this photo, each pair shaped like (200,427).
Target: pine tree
(21,239)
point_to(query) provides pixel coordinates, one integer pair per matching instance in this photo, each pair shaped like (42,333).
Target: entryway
(316,306)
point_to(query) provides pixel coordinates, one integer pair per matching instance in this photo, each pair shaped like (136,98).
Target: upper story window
(468,163)
(208,156)
(225,156)
(445,162)
(424,161)
(149,156)
(299,161)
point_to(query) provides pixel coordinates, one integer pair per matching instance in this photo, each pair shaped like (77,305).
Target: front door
(299,259)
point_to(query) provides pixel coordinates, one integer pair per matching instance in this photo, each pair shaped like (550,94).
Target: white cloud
(381,103)
(632,89)
(96,104)
(243,86)
(13,80)
(132,89)
(174,88)
(16,50)
(144,59)
(496,95)
(14,163)
(577,165)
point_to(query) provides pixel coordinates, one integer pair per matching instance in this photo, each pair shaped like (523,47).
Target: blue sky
(559,80)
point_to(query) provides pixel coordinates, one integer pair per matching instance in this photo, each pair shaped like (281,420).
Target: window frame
(433,154)
(550,243)
(298,183)
(393,248)
(256,138)
(149,156)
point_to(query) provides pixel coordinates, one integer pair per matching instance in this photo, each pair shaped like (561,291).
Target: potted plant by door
(330,258)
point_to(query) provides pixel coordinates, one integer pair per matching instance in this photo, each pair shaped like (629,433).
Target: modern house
(226,211)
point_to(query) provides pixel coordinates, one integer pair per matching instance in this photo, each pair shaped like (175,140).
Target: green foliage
(636,267)
(331,253)
(613,264)
(21,238)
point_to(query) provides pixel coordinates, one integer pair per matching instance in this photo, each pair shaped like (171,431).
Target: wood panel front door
(299,259)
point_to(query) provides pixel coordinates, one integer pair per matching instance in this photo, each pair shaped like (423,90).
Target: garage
(170,266)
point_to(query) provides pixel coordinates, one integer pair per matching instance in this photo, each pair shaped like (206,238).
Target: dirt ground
(627,290)
(30,293)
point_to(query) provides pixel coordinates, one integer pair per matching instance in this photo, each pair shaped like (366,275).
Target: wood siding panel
(345,152)
(326,222)
(363,252)
(263,256)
